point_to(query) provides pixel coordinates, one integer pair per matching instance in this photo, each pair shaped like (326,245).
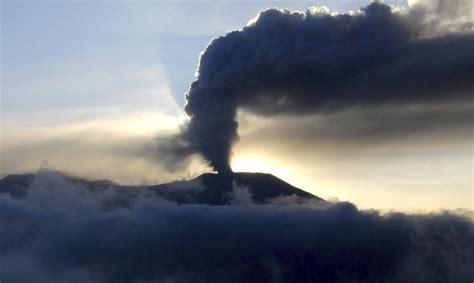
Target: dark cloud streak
(365,127)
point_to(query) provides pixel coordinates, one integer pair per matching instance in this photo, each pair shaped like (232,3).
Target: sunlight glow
(255,164)
(411,2)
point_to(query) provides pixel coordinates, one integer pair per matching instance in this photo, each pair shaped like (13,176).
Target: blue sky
(76,54)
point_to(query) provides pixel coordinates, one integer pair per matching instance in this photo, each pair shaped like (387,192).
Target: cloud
(412,158)
(59,232)
(365,128)
(440,16)
(102,148)
(294,63)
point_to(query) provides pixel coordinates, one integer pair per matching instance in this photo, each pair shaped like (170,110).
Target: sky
(91,86)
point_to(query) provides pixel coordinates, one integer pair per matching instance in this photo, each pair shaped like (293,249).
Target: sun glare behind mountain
(256,164)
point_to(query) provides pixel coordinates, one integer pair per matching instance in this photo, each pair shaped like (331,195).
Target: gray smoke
(292,63)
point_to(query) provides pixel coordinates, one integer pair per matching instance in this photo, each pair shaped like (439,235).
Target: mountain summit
(217,189)
(209,188)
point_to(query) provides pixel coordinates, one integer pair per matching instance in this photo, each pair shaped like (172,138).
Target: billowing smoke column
(296,63)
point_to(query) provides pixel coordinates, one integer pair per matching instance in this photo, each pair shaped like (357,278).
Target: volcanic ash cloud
(294,63)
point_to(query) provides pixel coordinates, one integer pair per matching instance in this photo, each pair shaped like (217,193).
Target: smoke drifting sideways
(62,232)
(293,63)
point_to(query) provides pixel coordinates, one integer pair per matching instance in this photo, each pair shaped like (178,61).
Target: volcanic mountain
(209,188)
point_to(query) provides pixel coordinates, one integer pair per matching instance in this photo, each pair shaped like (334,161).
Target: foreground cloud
(62,232)
(293,63)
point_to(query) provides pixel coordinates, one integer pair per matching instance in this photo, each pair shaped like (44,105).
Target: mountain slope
(208,188)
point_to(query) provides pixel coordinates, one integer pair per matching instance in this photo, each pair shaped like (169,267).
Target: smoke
(293,63)
(61,232)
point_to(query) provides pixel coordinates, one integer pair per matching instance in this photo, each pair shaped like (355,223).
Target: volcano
(209,188)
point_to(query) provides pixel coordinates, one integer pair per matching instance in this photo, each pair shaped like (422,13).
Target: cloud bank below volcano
(62,232)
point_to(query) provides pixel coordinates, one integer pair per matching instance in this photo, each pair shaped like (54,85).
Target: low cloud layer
(293,63)
(62,232)
(101,149)
(421,161)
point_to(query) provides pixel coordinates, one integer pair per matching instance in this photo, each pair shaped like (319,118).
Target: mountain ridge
(208,188)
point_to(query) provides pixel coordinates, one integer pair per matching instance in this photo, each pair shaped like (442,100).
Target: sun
(260,165)
(412,2)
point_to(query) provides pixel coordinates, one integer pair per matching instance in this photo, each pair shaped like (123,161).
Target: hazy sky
(90,85)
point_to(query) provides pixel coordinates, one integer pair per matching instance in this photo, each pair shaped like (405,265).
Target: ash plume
(294,63)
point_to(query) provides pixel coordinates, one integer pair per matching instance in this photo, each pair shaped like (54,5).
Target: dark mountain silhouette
(209,188)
